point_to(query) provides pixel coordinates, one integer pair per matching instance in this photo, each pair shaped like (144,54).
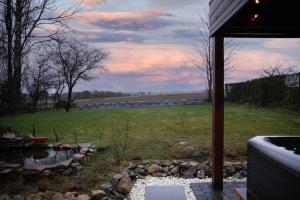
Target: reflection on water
(37,157)
(47,157)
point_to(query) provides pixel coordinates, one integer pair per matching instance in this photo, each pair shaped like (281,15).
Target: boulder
(140,171)
(124,186)
(154,168)
(4,197)
(78,156)
(47,172)
(190,173)
(9,136)
(107,187)
(37,196)
(174,170)
(57,196)
(75,165)
(83,197)
(69,196)
(68,171)
(97,194)
(115,179)
(200,174)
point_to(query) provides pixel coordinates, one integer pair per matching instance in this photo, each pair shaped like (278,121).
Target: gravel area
(138,190)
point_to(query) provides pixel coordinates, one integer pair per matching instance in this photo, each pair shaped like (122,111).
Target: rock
(83,150)
(43,184)
(107,187)
(165,169)
(124,186)
(52,195)
(4,197)
(69,196)
(6,171)
(154,168)
(146,162)
(185,165)
(79,167)
(47,172)
(132,174)
(116,178)
(61,165)
(75,165)
(68,171)
(237,175)
(176,162)
(91,150)
(140,171)
(158,162)
(83,197)
(174,170)
(189,173)
(201,174)
(9,136)
(37,196)
(78,156)
(194,164)
(165,163)
(97,194)
(10,166)
(17,197)
(85,145)
(117,195)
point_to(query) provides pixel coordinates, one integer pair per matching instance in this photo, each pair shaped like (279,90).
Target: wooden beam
(218,112)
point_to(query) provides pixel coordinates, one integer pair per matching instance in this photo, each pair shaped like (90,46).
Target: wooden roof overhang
(255,18)
(248,19)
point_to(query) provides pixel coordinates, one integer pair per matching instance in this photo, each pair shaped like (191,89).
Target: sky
(152,43)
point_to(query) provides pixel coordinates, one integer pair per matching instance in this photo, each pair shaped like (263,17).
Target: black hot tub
(274,167)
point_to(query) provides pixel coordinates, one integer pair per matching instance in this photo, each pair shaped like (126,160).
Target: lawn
(156,133)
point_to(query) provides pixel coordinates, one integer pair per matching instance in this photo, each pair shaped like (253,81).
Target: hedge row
(270,91)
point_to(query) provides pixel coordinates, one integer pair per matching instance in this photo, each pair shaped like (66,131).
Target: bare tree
(37,78)
(202,57)
(277,70)
(24,24)
(77,62)
(58,81)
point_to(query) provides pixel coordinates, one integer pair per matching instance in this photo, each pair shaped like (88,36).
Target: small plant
(119,142)
(34,128)
(75,136)
(55,135)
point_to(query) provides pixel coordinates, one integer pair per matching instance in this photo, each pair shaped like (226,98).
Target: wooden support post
(218,112)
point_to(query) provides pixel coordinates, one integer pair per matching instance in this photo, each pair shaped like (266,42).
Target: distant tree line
(275,88)
(98,94)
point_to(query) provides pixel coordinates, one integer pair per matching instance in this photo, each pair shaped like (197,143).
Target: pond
(31,158)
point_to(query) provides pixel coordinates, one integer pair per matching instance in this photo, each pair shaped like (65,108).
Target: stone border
(121,184)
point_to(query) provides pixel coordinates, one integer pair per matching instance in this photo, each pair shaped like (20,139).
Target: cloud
(177,3)
(128,57)
(98,36)
(282,43)
(186,34)
(139,20)
(91,2)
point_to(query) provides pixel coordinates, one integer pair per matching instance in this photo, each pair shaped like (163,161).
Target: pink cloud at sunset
(141,57)
(90,2)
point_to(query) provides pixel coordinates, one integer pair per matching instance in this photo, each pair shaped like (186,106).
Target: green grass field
(155,133)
